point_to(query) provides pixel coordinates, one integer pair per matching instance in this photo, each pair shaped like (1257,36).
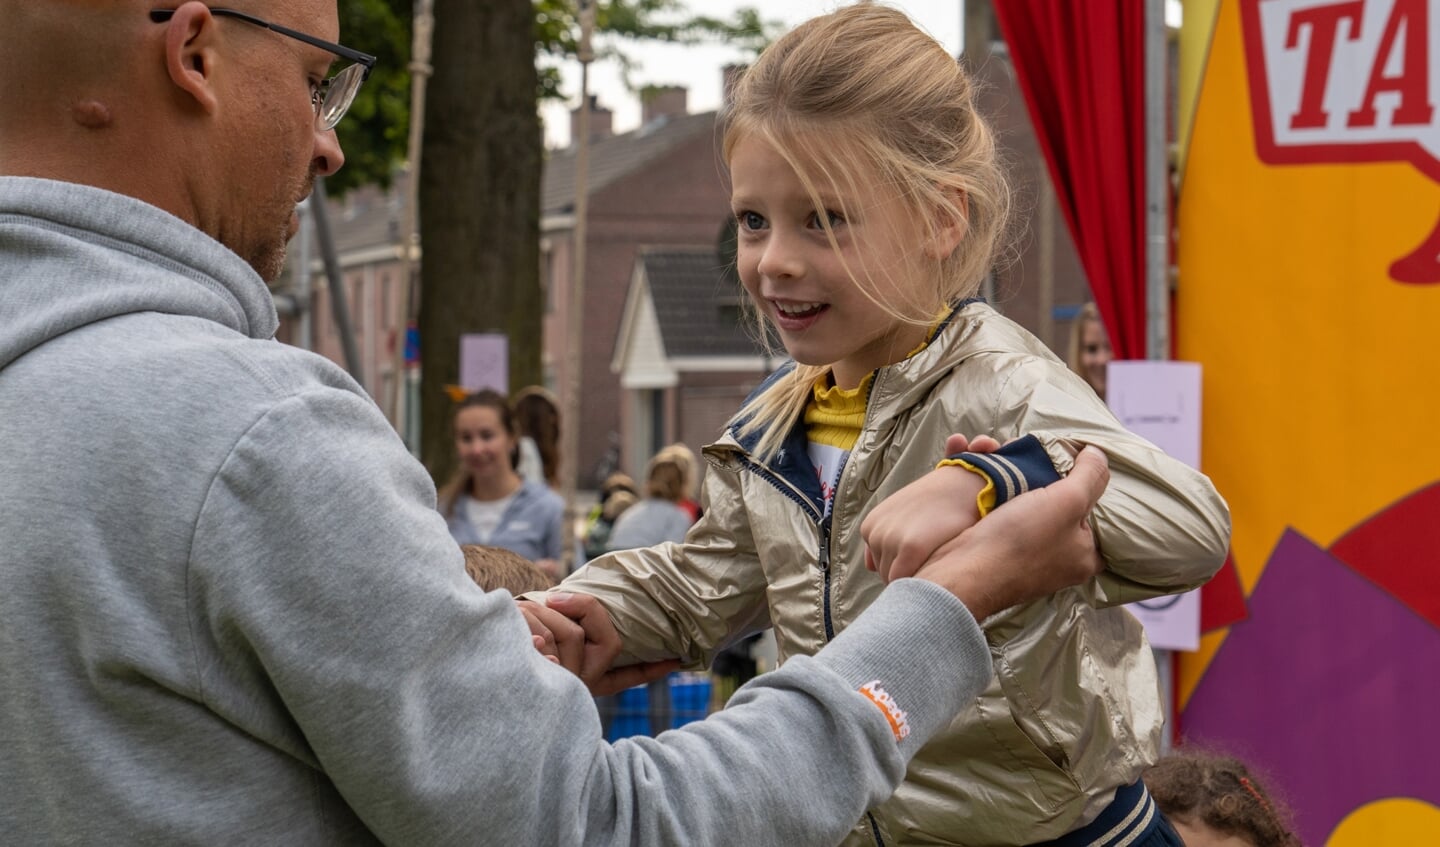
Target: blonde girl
(869,205)
(1089,351)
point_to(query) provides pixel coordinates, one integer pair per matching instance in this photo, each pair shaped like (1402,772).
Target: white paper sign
(1160,402)
(484,362)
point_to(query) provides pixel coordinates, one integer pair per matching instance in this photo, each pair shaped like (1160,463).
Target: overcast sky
(698,68)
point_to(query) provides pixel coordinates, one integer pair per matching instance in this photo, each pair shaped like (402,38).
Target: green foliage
(375,132)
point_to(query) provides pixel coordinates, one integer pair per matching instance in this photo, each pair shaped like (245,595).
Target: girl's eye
(750,220)
(832,218)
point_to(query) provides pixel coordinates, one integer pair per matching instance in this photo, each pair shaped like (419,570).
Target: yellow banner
(1309,290)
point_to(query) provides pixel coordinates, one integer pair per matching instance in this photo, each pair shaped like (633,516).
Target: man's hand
(1031,547)
(558,638)
(592,654)
(906,529)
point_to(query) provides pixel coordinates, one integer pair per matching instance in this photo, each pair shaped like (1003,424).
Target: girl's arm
(1161,526)
(684,600)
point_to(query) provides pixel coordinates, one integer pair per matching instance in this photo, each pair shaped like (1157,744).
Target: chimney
(730,76)
(662,101)
(600,121)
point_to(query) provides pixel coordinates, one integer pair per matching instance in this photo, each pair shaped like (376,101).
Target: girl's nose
(779,259)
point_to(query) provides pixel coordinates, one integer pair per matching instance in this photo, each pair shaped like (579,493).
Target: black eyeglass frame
(365,60)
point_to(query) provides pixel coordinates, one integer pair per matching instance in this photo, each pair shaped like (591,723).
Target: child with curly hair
(1216,801)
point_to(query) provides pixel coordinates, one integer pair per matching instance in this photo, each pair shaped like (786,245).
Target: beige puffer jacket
(1073,710)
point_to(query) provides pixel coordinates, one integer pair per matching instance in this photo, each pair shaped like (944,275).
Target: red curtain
(1081,67)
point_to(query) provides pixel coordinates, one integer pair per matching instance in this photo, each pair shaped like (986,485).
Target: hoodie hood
(72,255)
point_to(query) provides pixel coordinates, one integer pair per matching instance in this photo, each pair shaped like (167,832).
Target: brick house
(366,225)
(684,356)
(659,186)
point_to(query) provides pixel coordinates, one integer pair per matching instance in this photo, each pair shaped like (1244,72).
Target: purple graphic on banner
(1330,688)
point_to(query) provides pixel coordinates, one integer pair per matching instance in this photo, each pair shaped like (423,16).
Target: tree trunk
(479,204)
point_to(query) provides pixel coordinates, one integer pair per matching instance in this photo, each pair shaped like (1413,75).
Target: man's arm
(424,701)
(1040,546)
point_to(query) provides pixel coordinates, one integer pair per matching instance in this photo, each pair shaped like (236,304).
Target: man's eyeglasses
(333,96)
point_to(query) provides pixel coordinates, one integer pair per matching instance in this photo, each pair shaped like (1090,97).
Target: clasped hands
(1033,546)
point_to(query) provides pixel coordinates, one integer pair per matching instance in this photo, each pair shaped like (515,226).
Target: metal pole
(1045,234)
(405,416)
(1157,177)
(570,423)
(1157,257)
(978,22)
(339,303)
(304,282)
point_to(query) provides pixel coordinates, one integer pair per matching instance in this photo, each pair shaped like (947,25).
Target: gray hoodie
(230,614)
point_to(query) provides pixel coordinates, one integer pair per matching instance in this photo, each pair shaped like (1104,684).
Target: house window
(385,306)
(547,275)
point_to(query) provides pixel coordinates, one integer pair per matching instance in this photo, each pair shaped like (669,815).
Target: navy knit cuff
(1015,468)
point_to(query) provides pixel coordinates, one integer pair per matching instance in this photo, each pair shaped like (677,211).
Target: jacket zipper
(875,829)
(824,557)
(823,554)
(822,523)
(824,560)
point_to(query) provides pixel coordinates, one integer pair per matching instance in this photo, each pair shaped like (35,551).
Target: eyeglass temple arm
(162,15)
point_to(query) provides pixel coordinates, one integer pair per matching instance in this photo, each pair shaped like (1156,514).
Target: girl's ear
(949,227)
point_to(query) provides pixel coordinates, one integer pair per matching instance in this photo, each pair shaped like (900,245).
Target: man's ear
(190,53)
(950,225)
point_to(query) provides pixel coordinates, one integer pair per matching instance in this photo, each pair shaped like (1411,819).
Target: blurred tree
(483,153)
(557,32)
(479,204)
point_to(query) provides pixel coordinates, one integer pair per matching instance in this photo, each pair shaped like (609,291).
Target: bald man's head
(210,117)
(59,52)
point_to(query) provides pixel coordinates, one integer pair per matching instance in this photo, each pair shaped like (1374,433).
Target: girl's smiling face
(807,288)
(483,442)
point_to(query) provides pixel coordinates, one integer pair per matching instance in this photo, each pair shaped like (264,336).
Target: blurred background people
(1090,352)
(684,457)
(537,421)
(658,517)
(1216,801)
(486,502)
(618,493)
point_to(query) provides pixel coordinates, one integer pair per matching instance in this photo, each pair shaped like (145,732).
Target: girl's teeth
(797,308)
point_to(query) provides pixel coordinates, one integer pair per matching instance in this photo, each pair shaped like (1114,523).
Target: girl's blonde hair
(862,92)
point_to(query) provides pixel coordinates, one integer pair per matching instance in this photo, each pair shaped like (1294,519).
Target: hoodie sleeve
(332,619)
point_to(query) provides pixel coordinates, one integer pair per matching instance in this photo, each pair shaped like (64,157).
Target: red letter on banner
(1413,83)
(1324,23)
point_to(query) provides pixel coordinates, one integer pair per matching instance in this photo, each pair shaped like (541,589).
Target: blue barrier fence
(689,701)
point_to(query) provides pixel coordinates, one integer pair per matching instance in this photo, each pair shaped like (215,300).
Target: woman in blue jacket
(487,502)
